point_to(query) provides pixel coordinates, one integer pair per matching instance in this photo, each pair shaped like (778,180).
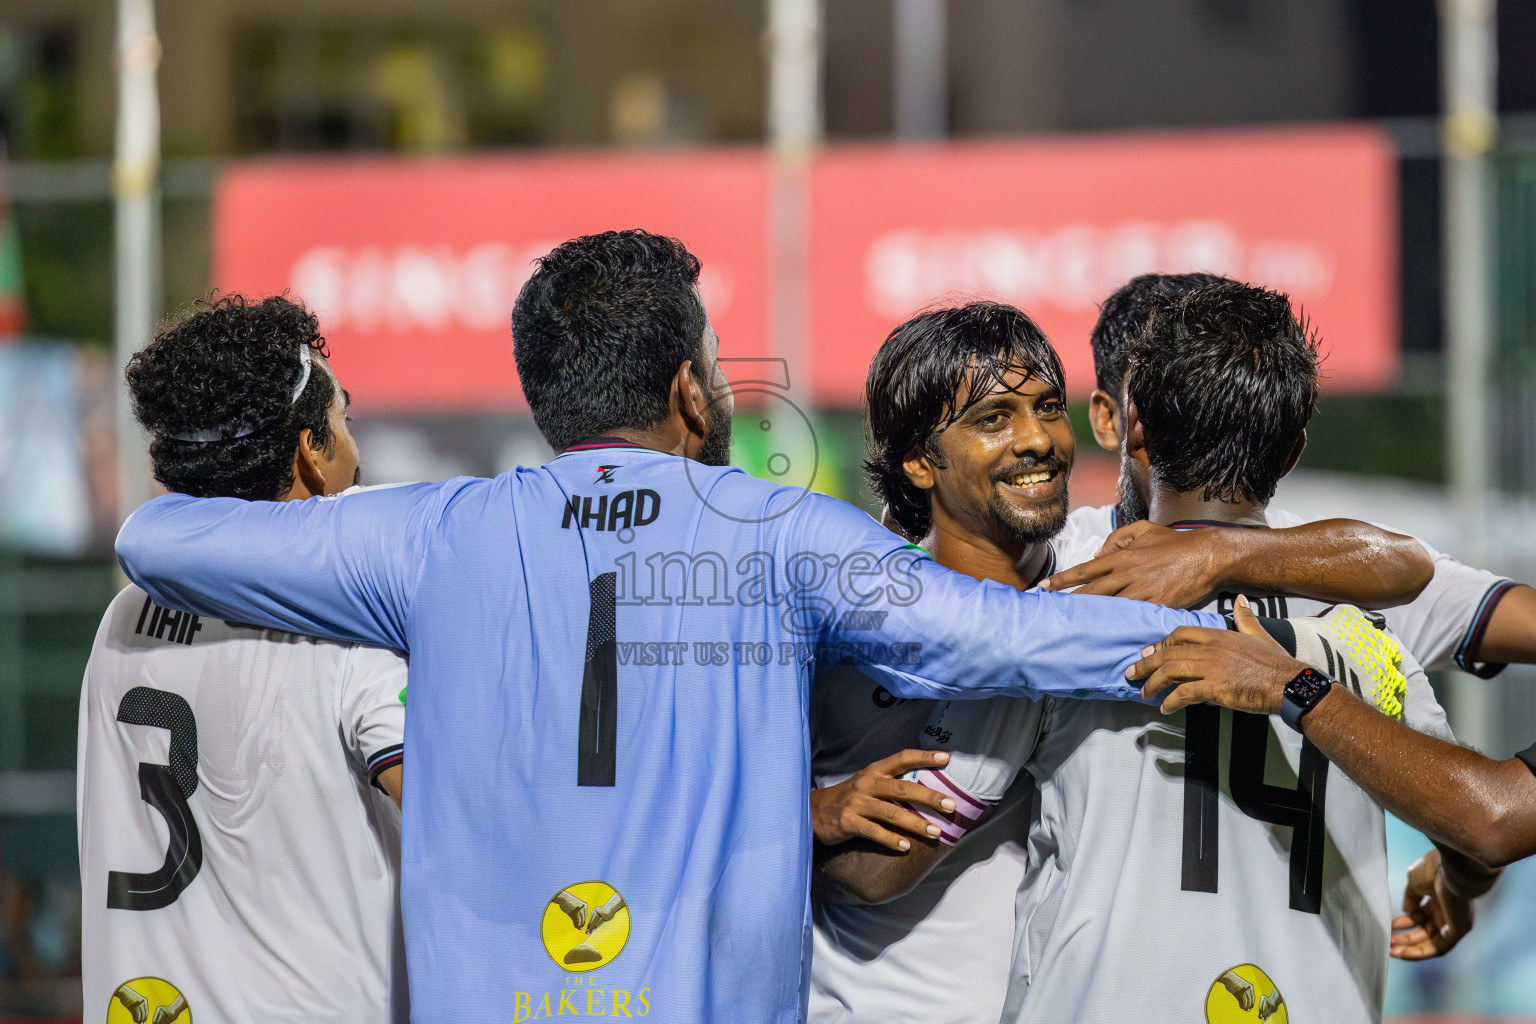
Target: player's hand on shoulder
(868,804)
(1180,569)
(1244,670)
(1434,917)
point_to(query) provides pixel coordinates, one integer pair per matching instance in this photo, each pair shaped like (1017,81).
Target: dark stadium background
(244,83)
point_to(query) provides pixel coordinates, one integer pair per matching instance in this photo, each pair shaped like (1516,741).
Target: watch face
(1301,694)
(1307,687)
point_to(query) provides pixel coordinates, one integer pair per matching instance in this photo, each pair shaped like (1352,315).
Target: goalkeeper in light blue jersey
(610,662)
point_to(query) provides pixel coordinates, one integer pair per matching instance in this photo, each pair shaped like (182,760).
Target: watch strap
(1302,694)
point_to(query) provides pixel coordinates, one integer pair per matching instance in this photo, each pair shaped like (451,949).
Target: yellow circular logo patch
(1244,994)
(585,926)
(148,1001)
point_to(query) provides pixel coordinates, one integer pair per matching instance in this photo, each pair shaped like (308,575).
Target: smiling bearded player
(970,450)
(969,404)
(1230,821)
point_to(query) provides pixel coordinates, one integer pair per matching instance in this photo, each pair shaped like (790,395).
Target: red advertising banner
(1055,226)
(413,265)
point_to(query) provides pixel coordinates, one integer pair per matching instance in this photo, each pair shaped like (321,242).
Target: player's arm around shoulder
(1468,618)
(341,566)
(948,635)
(1328,560)
(1484,808)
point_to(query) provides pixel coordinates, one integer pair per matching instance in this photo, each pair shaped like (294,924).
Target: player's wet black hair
(1124,314)
(921,381)
(1224,381)
(230,363)
(600,329)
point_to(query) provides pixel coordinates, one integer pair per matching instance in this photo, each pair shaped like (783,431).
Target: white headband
(213,435)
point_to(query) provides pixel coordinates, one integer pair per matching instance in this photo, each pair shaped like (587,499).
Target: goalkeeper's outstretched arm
(960,637)
(343,567)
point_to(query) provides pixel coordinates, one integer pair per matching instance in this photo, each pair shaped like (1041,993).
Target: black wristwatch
(1302,694)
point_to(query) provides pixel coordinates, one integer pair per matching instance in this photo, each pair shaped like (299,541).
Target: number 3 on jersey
(166,788)
(1301,808)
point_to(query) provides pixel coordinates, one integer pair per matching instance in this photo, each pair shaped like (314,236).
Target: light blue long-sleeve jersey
(610,661)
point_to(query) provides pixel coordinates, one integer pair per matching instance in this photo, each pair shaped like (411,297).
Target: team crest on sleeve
(1244,993)
(585,926)
(148,1001)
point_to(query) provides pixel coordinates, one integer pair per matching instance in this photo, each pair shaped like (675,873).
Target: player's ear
(689,399)
(1295,456)
(308,466)
(1103,417)
(919,469)
(1135,435)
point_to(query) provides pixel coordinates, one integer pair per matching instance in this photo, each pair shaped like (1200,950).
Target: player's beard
(1132,508)
(1030,525)
(717,443)
(357,475)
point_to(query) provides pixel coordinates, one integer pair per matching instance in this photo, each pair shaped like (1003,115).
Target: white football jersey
(940,953)
(1204,865)
(237,864)
(1443,627)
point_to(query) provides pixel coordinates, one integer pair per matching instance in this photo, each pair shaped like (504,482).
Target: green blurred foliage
(39,93)
(66,256)
(1379,435)
(373,88)
(67,263)
(45,647)
(187,252)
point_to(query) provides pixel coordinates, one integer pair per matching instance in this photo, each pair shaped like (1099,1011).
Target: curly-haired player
(208,389)
(231,845)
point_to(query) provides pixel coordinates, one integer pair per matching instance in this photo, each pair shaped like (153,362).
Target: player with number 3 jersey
(232,840)
(239,844)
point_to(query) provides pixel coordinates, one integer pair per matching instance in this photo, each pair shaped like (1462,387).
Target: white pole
(136,176)
(1468,61)
(794,77)
(794,130)
(920,70)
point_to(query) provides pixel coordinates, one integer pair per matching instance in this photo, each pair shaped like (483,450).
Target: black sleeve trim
(1467,650)
(1280,630)
(1528,755)
(383,761)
